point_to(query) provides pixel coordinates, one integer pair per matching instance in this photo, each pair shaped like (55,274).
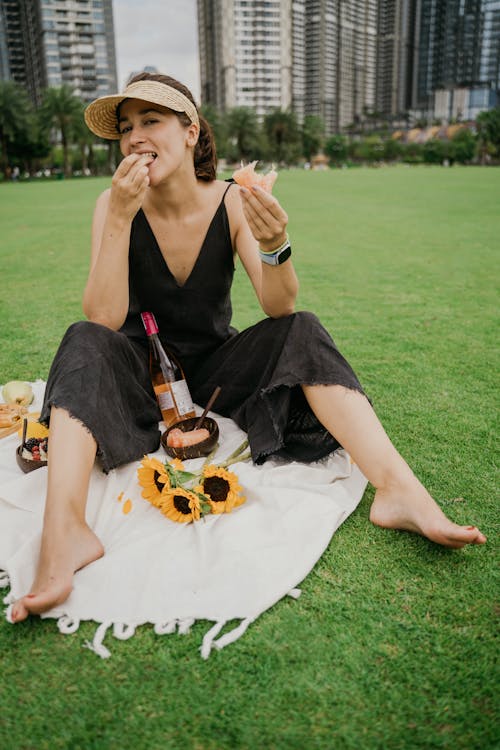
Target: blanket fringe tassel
(96,645)
(123,632)
(4,579)
(209,641)
(9,599)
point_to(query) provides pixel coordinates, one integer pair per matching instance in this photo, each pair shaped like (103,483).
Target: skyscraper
(395,56)
(314,56)
(245,53)
(345,59)
(45,43)
(457,57)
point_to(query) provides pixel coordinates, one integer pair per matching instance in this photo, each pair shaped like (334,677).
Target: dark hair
(205,154)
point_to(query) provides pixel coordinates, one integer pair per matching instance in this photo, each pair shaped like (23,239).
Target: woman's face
(149,128)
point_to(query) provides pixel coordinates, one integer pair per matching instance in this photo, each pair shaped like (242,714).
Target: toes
(19,612)
(479,537)
(462,535)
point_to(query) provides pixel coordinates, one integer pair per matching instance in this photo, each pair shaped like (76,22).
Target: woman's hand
(106,295)
(265,217)
(260,219)
(129,185)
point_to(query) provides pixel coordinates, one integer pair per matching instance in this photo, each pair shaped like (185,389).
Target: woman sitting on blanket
(164,239)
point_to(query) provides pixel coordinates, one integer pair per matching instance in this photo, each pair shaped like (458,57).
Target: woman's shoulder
(224,191)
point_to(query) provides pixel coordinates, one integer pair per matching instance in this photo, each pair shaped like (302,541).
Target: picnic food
(17,392)
(169,383)
(10,415)
(181,439)
(33,427)
(247,177)
(35,449)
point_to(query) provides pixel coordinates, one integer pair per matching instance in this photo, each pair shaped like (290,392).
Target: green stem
(236,459)
(237,452)
(209,457)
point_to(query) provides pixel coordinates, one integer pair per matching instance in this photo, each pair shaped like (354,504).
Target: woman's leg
(67,544)
(401,501)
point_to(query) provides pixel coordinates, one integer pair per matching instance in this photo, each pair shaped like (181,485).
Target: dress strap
(231,182)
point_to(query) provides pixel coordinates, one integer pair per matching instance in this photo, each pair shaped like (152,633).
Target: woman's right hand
(106,295)
(129,185)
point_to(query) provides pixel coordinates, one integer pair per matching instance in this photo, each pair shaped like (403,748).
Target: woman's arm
(261,221)
(106,296)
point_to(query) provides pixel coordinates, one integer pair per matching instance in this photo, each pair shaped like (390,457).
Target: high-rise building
(245,53)
(457,57)
(340,58)
(347,59)
(395,56)
(54,42)
(313,56)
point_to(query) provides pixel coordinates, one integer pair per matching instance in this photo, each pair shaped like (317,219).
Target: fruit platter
(33,452)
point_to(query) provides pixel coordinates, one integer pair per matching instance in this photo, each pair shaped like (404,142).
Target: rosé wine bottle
(168,379)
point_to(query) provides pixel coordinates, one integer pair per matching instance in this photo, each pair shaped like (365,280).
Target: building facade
(245,54)
(457,58)
(311,56)
(58,42)
(395,57)
(349,60)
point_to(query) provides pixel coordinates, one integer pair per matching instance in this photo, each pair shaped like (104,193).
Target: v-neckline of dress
(200,251)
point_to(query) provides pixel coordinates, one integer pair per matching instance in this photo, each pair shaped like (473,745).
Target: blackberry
(30,444)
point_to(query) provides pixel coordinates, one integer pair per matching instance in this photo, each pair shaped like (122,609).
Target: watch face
(284,255)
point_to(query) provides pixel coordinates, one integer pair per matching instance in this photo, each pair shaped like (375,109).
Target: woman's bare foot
(64,551)
(409,507)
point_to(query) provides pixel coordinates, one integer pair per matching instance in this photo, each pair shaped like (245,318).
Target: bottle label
(164,396)
(182,397)
(149,322)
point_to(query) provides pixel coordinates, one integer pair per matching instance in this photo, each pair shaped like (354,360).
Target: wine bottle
(168,379)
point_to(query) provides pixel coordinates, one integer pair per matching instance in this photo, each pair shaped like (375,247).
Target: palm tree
(313,135)
(242,130)
(85,139)
(61,110)
(488,125)
(283,135)
(215,121)
(15,119)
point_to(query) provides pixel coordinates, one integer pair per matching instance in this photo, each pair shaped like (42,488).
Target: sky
(162,33)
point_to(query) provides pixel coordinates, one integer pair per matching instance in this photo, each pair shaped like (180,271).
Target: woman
(163,239)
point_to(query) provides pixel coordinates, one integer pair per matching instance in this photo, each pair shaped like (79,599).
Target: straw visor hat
(101,118)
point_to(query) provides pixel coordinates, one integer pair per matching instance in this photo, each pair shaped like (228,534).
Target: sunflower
(177,464)
(153,477)
(221,488)
(180,505)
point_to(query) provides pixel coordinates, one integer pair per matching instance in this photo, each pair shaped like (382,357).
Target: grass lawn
(391,644)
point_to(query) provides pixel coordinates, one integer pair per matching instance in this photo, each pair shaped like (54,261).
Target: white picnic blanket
(221,568)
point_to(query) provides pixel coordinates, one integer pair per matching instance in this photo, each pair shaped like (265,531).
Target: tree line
(55,135)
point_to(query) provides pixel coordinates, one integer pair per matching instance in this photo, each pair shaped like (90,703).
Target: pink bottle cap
(149,323)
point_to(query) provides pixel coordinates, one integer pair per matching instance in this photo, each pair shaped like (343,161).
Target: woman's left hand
(265,217)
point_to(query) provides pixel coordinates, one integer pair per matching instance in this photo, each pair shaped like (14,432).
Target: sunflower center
(156,476)
(181,504)
(216,488)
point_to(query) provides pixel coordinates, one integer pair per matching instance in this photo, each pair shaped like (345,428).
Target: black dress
(101,376)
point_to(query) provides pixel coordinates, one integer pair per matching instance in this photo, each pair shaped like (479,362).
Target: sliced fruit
(247,177)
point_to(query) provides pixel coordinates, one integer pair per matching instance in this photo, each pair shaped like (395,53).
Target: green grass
(391,644)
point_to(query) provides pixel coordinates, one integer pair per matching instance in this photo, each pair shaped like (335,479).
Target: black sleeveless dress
(101,376)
